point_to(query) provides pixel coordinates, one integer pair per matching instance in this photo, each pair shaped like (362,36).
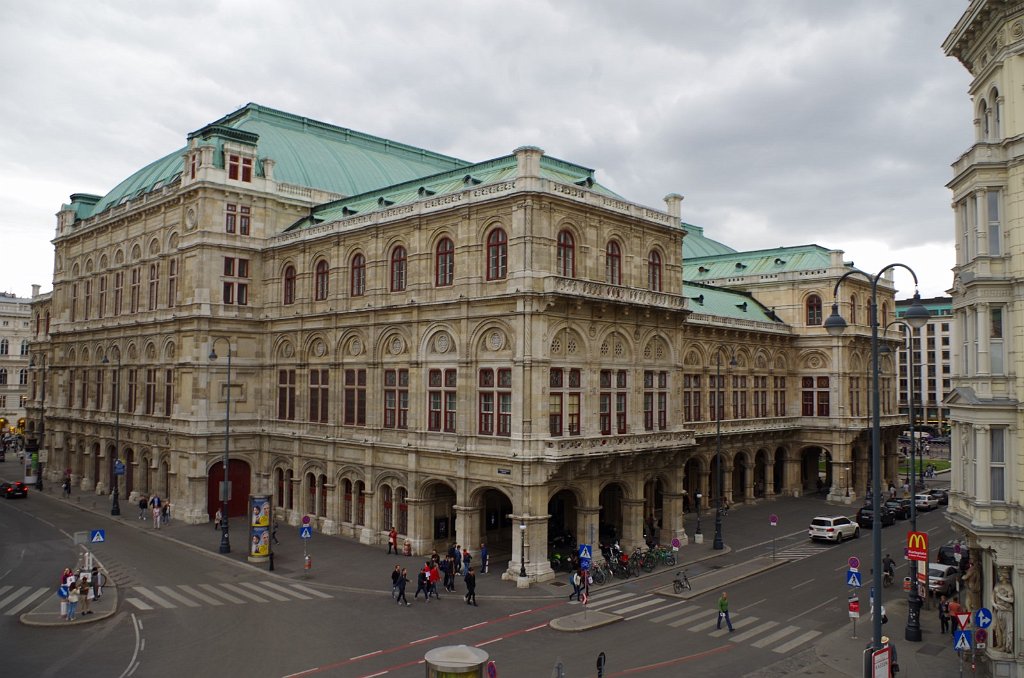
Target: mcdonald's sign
(917,546)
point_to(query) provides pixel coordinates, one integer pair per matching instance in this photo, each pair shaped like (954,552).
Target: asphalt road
(186,611)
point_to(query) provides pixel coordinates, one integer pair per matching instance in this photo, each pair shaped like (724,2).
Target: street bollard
(309,562)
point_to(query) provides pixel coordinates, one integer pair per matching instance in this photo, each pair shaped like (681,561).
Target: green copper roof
(755,262)
(454,181)
(696,244)
(306,153)
(726,303)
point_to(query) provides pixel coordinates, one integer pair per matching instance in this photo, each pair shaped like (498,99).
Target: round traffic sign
(492,670)
(675,543)
(305,520)
(981,635)
(853,562)
(956,548)
(773,520)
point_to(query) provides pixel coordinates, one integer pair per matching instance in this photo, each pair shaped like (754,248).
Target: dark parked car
(947,555)
(900,508)
(13,490)
(941,495)
(865,516)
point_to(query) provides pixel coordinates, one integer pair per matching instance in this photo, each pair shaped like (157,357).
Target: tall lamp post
(115,503)
(699,497)
(225,541)
(914,602)
(522,547)
(917,315)
(42,417)
(719,406)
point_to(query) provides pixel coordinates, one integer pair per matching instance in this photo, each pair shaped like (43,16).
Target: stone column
(982,325)
(982,452)
(748,483)
(531,542)
(467,519)
(673,522)
(981,227)
(421,531)
(632,523)
(587,526)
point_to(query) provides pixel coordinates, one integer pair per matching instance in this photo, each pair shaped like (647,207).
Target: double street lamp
(914,602)
(42,417)
(719,392)
(115,504)
(225,541)
(916,316)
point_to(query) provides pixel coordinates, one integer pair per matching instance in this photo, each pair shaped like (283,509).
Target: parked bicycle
(681,582)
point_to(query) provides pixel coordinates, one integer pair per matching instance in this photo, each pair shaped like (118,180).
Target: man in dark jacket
(470,580)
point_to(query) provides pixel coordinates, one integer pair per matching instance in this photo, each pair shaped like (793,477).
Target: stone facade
(500,352)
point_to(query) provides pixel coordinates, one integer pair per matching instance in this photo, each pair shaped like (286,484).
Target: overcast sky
(782,123)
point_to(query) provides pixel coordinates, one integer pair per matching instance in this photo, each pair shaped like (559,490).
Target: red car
(15,489)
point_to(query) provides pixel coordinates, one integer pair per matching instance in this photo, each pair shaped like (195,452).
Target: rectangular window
(230,219)
(997,461)
(564,401)
(739,397)
(168,392)
(994,227)
(318,395)
(98,402)
(242,296)
(83,397)
(692,396)
(129,405)
(760,396)
(239,168)
(815,396)
(655,400)
(441,400)
(115,390)
(243,220)
(118,291)
(495,392)
(286,395)
(74,300)
(716,396)
(995,341)
(355,397)
(229,293)
(229,266)
(396,398)
(150,396)
(855,408)
(88,300)
(71,386)
(135,288)
(172,283)
(101,301)
(613,400)
(154,286)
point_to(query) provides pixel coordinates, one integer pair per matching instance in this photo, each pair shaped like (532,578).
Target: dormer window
(239,168)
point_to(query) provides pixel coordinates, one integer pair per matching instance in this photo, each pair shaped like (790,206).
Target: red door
(238,474)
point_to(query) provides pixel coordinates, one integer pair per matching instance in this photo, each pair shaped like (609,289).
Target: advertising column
(259,528)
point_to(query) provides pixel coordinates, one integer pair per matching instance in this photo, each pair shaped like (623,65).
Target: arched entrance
(760,473)
(239,476)
(654,504)
(562,528)
(737,491)
(610,517)
(779,472)
(440,510)
(716,482)
(691,483)
(815,469)
(495,529)
(129,471)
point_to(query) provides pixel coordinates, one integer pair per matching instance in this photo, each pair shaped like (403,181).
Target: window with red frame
(654,271)
(172,283)
(814,396)
(286,395)
(655,400)
(564,401)
(323,276)
(739,396)
(239,168)
(760,396)
(497,255)
(814,310)
(396,399)
(444,265)
(288,289)
(612,401)
(398,272)
(692,395)
(318,395)
(154,286)
(716,396)
(441,400)
(613,264)
(358,283)
(566,254)
(355,397)
(495,416)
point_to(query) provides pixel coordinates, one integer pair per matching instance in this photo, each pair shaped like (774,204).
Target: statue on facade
(972,582)
(1002,604)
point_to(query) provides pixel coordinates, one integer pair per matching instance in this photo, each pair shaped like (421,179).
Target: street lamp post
(225,541)
(699,497)
(718,544)
(42,418)
(115,504)
(522,547)
(914,602)
(916,316)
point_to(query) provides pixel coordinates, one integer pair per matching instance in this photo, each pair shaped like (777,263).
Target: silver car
(926,502)
(942,578)
(833,528)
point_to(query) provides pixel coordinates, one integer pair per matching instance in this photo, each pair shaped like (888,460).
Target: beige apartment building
(495,351)
(985,402)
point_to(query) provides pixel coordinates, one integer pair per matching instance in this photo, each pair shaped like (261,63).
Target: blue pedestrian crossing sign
(305,532)
(983,618)
(853,577)
(961,640)
(97,536)
(586,552)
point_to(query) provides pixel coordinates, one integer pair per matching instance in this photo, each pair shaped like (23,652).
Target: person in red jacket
(435,577)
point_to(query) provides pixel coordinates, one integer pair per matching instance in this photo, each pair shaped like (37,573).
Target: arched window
(3,375)
(654,271)
(566,254)
(323,276)
(853,309)
(814,310)
(997,114)
(983,118)
(444,265)
(613,263)
(358,275)
(398,262)
(497,255)
(5,346)
(24,347)
(23,376)
(289,286)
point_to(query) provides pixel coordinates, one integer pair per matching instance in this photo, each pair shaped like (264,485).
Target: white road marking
(799,640)
(258,588)
(154,597)
(646,603)
(756,631)
(17,594)
(28,601)
(139,604)
(168,591)
(199,594)
(488,642)
(244,593)
(686,609)
(777,636)
(217,591)
(311,591)
(363,656)
(739,623)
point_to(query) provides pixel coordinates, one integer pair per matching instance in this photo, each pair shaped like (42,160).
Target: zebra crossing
(763,634)
(145,598)
(15,599)
(801,551)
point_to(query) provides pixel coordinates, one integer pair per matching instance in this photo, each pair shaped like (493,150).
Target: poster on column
(259,527)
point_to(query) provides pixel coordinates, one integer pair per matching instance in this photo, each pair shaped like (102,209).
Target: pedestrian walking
(470,580)
(483,558)
(395,576)
(273,532)
(97,585)
(723,611)
(467,559)
(393,540)
(402,581)
(422,579)
(448,574)
(165,515)
(944,614)
(216,519)
(457,553)
(955,608)
(143,503)
(66,487)
(435,579)
(577,584)
(155,503)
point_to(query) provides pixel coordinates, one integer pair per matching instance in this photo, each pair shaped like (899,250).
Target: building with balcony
(932,363)
(15,336)
(492,351)
(985,504)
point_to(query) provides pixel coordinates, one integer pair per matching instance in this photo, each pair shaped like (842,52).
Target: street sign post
(962,619)
(97,536)
(980,639)
(917,546)
(600,665)
(962,640)
(773,521)
(853,578)
(853,562)
(983,618)
(586,554)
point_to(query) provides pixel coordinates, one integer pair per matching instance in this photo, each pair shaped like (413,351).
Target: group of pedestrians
(77,591)
(437,570)
(156,507)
